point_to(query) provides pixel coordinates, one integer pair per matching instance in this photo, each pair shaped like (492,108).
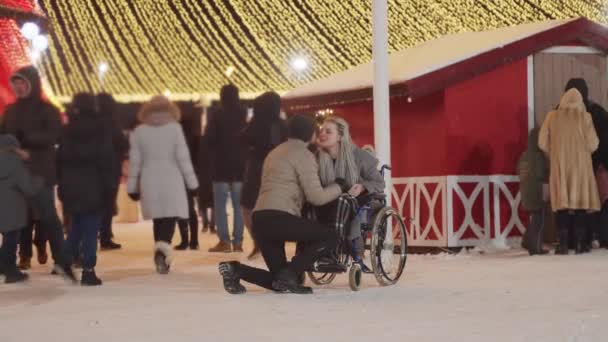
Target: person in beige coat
(569,138)
(159,166)
(290,177)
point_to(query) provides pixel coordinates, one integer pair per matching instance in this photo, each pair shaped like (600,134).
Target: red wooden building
(461,108)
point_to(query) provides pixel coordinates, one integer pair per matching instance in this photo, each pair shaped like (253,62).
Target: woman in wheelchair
(338,157)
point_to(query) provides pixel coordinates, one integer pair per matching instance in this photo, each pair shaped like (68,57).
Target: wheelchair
(384,234)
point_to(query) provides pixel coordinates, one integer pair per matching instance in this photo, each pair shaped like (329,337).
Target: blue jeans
(220,197)
(84,230)
(8,251)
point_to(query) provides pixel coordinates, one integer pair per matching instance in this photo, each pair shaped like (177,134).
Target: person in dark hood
(533,171)
(86,179)
(16,184)
(120,144)
(221,134)
(37,126)
(600,161)
(265,131)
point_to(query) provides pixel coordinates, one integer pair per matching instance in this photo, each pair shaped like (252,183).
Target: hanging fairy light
(40,43)
(299,64)
(30,30)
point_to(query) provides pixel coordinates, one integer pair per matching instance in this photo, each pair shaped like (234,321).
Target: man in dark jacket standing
(86,179)
(120,145)
(37,126)
(222,134)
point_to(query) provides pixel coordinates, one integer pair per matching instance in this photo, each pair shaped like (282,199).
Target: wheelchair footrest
(323,266)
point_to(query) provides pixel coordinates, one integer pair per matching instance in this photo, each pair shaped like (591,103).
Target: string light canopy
(190,48)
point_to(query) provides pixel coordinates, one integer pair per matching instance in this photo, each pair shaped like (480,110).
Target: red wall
(488,122)
(476,127)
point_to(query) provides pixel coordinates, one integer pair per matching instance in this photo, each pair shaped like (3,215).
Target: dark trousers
(8,251)
(534,235)
(50,223)
(574,223)
(272,228)
(28,236)
(191,222)
(83,232)
(164,229)
(105,231)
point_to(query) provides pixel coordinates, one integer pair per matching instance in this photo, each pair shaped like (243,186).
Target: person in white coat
(159,165)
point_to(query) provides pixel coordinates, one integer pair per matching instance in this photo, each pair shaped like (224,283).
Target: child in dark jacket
(533,171)
(86,181)
(16,184)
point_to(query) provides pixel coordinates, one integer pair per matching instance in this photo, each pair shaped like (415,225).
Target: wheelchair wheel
(388,250)
(321,278)
(354,277)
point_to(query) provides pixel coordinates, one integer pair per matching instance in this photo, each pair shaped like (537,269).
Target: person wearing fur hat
(86,182)
(569,139)
(159,165)
(16,184)
(37,126)
(290,177)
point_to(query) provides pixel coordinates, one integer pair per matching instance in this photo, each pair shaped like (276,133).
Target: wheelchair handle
(384,167)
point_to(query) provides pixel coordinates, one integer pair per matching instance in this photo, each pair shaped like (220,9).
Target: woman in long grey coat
(339,157)
(159,165)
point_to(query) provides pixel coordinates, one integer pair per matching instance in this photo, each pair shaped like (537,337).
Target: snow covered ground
(505,296)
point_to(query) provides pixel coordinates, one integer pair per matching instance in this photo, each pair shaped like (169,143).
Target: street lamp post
(382,131)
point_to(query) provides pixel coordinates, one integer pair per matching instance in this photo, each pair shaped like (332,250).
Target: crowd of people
(287,180)
(82,160)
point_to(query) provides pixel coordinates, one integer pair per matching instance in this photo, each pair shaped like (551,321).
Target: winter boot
(15,276)
(580,236)
(109,245)
(162,257)
(287,281)
(221,247)
(562,248)
(89,278)
(230,276)
(237,247)
(182,246)
(66,271)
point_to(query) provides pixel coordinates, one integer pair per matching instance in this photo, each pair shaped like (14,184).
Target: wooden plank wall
(553,70)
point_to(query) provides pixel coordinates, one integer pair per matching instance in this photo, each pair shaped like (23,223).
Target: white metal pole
(382,132)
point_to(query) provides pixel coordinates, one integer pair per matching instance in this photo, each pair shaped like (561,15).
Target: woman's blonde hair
(345,165)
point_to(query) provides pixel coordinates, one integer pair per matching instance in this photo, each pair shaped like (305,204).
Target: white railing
(439,194)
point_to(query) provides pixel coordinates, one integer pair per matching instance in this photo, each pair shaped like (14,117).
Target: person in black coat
(599,159)
(86,179)
(120,147)
(37,126)
(265,131)
(221,134)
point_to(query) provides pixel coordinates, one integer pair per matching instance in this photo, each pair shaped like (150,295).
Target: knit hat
(300,127)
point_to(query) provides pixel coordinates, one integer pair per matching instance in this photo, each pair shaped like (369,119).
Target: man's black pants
(272,228)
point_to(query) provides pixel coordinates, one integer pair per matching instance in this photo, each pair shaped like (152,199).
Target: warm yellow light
(150,49)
